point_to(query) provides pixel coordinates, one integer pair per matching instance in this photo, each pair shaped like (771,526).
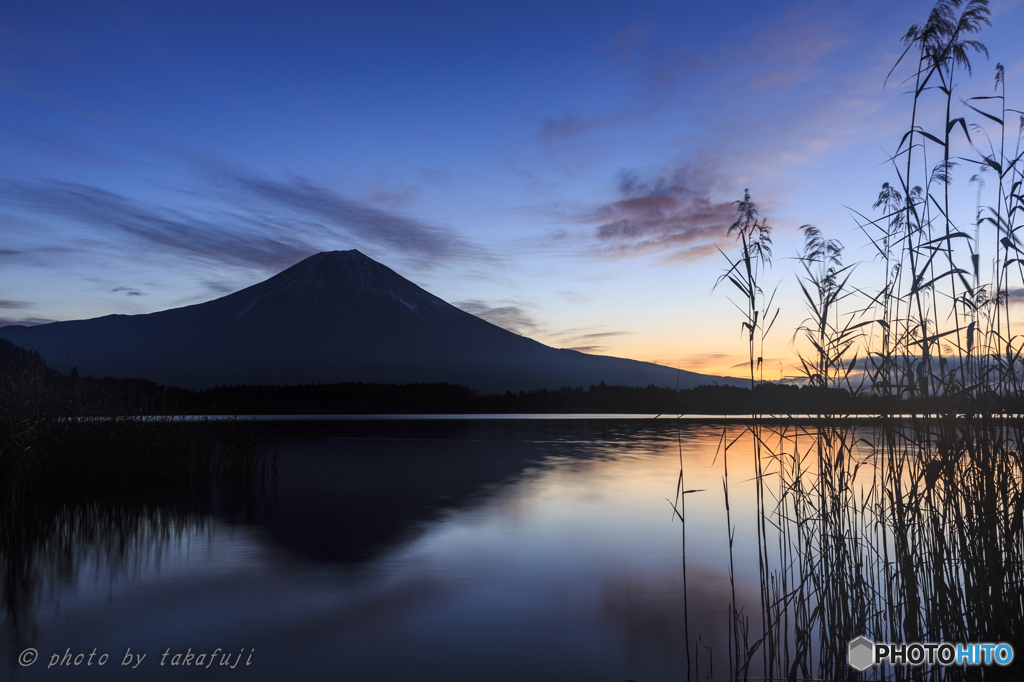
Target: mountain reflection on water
(392,551)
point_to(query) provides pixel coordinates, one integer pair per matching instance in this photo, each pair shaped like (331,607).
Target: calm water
(402,550)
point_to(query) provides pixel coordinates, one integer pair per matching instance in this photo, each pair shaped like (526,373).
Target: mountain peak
(332,279)
(335,316)
(351,258)
(338,256)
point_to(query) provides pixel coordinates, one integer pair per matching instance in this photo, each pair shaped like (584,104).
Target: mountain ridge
(335,316)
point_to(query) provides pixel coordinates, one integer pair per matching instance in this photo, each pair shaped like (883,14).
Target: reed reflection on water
(428,550)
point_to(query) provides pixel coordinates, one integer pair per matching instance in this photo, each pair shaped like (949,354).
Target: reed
(115,491)
(910,530)
(52,446)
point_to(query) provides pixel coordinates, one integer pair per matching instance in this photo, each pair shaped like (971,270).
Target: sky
(566,170)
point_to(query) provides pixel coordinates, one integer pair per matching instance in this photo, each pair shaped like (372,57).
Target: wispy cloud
(513,318)
(25,321)
(297,219)
(1015,296)
(401,198)
(572,125)
(411,237)
(181,233)
(674,216)
(13,305)
(128,291)
(218,287)
(583,340)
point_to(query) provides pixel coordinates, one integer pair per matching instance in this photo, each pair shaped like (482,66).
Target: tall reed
(910,530)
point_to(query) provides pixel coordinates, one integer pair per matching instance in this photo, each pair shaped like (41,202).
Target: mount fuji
(334,317)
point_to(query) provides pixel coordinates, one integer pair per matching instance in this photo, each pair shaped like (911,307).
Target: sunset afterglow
(565,170)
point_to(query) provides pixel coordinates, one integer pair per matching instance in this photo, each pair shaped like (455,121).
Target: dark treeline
(59,393)
(442,398)
(49,449)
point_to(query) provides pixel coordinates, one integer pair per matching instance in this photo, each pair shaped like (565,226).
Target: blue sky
(563,169)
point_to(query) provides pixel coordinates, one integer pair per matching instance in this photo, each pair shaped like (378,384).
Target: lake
(442,549)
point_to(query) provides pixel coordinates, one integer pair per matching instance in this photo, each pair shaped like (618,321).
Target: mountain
(336,316)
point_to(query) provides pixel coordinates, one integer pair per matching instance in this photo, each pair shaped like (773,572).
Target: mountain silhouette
(334,317)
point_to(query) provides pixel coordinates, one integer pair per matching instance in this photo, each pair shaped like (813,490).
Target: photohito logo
(863,653)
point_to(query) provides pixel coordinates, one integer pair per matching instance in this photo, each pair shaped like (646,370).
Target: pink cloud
(674,216)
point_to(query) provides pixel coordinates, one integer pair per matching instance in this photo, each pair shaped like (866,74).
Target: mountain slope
(336,316)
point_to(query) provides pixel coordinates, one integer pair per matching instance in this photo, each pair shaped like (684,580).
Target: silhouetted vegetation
(910,531)
(53,445)
(133,397)
(74,486)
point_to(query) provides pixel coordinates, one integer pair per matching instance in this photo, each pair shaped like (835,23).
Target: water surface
(409,549)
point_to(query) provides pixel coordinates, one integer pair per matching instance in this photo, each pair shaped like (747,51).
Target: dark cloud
(400,199)
(128,291)
(291,221)
(218,287)
(584,341)
(13,305)
(26,321)
(672,215)
(517,320)
(9,252)
(510,317)
(236,242)
(425,242)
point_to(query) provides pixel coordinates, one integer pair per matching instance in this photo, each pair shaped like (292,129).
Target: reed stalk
(911,530)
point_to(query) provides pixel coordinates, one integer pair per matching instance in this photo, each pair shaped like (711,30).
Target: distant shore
(87,396)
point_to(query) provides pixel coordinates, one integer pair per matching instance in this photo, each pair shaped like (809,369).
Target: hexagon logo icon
(861,653)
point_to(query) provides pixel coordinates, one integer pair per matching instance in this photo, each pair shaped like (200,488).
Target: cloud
(236,242)
(13,305)
(583,341)
(510,317)
(1015,296)
(673,215)
(400,199)
(426,243)
(218,286)
(706,359)
(128,291)
(289,222)
(517,320)
(25,321)
(601,335)
(571,125)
